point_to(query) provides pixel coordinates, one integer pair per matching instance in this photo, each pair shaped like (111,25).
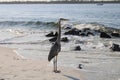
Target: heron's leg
(57,71)
(54,65)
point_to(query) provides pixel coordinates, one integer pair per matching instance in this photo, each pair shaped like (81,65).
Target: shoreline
(13,67)
(19,54)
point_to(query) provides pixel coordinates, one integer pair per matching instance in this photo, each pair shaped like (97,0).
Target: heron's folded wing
(53,52)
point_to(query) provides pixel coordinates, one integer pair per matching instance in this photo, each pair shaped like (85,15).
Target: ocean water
(24,26)
(108,14)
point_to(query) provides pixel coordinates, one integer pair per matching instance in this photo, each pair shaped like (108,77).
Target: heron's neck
(59,32)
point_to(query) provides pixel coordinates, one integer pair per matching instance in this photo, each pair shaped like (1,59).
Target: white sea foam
(16,32)
(82,26)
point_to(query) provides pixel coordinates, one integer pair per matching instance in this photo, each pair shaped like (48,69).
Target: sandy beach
(13,67)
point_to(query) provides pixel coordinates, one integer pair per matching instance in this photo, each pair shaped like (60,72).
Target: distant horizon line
(56,2)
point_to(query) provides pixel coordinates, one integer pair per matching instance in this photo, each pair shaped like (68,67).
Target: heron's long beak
(62,19)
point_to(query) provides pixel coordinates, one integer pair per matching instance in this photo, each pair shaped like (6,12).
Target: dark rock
(51,34)
(115,47)
(56,34)
(53,39)
(82,34)
(89,33)
(68,28)
(65,39)
(115,34)
(2,79)
(77,48)
(79,30)
(72,32)
(104,35)
(80,66)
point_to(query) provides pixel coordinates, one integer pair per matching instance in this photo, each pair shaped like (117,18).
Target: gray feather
(55,49)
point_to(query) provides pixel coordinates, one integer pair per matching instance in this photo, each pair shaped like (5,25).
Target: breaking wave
(97,26)
(39,24)
(26,23)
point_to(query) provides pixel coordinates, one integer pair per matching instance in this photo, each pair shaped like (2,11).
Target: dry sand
(13,67)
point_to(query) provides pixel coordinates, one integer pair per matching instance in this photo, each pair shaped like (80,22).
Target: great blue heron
(56,48)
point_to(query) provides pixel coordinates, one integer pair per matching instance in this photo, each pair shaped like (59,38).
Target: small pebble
(80,66)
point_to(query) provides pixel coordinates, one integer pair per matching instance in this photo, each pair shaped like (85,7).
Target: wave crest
(97,26)
(26,23)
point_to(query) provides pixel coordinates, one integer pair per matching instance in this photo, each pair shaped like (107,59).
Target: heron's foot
(57,71)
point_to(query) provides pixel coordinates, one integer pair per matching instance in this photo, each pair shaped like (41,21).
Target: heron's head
(62,19)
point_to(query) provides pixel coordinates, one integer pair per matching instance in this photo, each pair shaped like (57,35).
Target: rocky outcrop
(115,47)
(115,34)
(51,34)
(84,32)
(53,39)
(104,35)
(72,32)
(65,39)
(77,48)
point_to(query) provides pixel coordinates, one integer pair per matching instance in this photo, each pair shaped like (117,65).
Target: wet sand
(13,67)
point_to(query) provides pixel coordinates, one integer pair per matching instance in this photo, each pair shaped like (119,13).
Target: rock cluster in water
(86,32)
(54,37)
(77,32)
